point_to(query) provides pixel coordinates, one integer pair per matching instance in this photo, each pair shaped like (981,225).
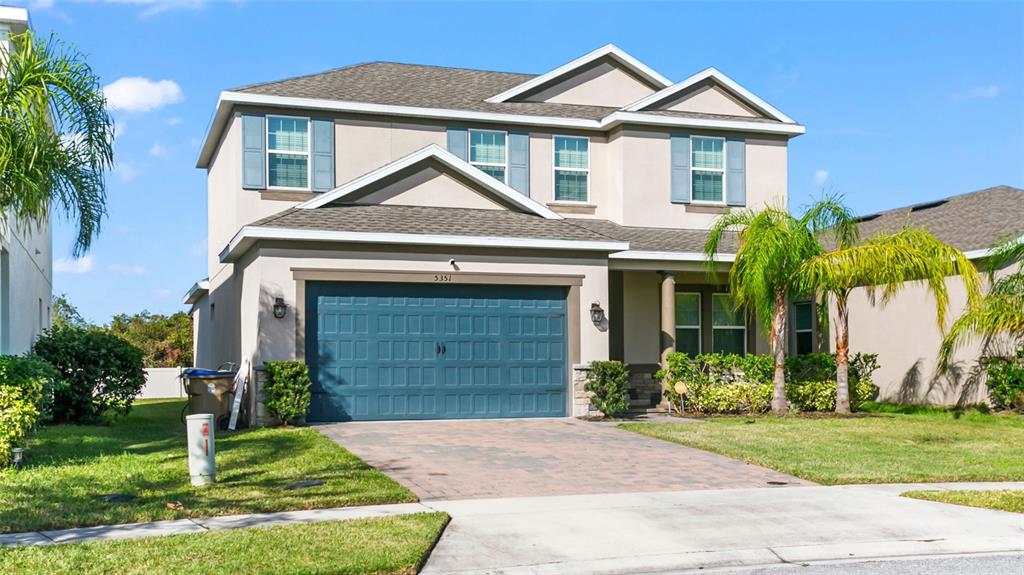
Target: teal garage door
(429,351)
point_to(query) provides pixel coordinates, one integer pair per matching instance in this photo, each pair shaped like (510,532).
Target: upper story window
(728,328)
(572,169)
(804,327)
(688,323)
(707,169)
(487,152)
(288,152)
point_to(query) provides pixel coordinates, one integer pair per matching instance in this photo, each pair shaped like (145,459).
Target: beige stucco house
(450,243)
(903,332)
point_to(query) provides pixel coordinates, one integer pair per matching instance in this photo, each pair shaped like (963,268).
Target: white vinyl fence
(162,382)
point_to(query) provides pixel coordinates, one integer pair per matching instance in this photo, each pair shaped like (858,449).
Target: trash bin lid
(198,372)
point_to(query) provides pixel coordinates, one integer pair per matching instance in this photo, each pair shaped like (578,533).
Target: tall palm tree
(1000,311)
(772,246)
(56,137)
(885,264)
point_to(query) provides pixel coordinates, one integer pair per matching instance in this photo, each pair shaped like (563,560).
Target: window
(288,152)
(729,329)
(707,169)
(804,325)
(688,323)
(572,169)
(487,152)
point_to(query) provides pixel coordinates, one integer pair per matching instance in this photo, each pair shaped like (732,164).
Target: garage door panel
(379,351)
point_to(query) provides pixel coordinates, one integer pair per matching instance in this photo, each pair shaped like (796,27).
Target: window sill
(698,208)
(572,208)
(287,195)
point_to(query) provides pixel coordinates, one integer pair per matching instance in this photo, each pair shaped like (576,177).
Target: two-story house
(449,243)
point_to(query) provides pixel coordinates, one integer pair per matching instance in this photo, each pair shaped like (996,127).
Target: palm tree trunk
(778,339)
(842,355)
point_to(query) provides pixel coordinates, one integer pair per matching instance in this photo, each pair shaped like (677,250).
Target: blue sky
(903,102)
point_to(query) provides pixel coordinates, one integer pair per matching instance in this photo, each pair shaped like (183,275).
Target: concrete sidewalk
(679,531)
(178,526)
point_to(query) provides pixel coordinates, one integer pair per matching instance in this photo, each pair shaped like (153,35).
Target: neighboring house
(903,333)
(449,243)
(26,261)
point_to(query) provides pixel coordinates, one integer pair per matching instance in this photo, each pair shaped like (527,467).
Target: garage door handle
(438,346)
(444,348)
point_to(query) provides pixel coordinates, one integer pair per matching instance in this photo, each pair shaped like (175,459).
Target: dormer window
(487,152)
(288,152)
(572,169)
(707,169)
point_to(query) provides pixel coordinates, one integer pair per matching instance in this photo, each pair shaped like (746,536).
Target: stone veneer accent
(262,418)
(581,404)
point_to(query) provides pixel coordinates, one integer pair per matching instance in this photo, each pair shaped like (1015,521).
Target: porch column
(668,316)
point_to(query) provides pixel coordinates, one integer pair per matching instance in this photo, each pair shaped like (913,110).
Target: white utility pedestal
(201,466)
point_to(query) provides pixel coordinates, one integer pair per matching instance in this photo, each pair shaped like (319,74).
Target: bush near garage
(98,374)
(715,383)
(26,386)
(286,390)
(1006,381)
(607,381)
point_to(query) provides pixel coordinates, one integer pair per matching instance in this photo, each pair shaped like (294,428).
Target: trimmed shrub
(26,383)
(98,374)
(1006,381)
(286,392)
(728,383)
(607,380)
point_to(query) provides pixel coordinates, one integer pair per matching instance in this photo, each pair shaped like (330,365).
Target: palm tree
(772,246)
(56,137)
(1000,312)
(886,263)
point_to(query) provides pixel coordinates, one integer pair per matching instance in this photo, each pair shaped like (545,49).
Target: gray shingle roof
(972,221)
(437,87)
(397,219)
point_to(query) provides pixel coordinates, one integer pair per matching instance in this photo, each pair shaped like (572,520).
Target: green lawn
(920,446)
(1001,500)
(383,545)
(71,467)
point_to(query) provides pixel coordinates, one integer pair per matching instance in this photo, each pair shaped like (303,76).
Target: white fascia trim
(196,292)
(14,14)
(446,158)
(612,50)
(250,234)
(670,256)
(985,252)
(228,99)
(721,78)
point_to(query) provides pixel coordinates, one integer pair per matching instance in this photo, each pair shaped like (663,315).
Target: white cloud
(158,150)
(127,171)
(978,93)
(40,4)
(162,293)
(82,265)
(137,94)
(820,176)
(127,270)
(173,121)
(199,248)
(119,128)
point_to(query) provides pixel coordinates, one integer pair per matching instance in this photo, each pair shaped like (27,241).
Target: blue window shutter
(735,172)
(322,152)
(458,142)
(254,130)
(680,169)
(519,162)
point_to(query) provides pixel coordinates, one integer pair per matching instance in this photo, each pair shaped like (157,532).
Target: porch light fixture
(280,308)
(596,313)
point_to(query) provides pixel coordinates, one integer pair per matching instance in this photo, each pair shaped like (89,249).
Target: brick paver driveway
(534,457)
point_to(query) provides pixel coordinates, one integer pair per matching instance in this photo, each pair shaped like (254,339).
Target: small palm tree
(883,264)
(1000,311)
(772,246)
(56,137)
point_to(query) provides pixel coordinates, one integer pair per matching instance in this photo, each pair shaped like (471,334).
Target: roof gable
(582,80)
(408,180)
(712,88)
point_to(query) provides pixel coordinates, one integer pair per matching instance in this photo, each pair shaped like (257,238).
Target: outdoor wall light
(280,308)
(596,313)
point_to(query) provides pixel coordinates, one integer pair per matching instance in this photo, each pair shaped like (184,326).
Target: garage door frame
(572,282)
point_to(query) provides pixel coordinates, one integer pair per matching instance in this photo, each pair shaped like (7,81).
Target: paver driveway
(534,457)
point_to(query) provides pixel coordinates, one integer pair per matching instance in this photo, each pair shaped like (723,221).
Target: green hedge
(26,386)
(1006,380)
(286,392)
(607,380)
(728,383)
